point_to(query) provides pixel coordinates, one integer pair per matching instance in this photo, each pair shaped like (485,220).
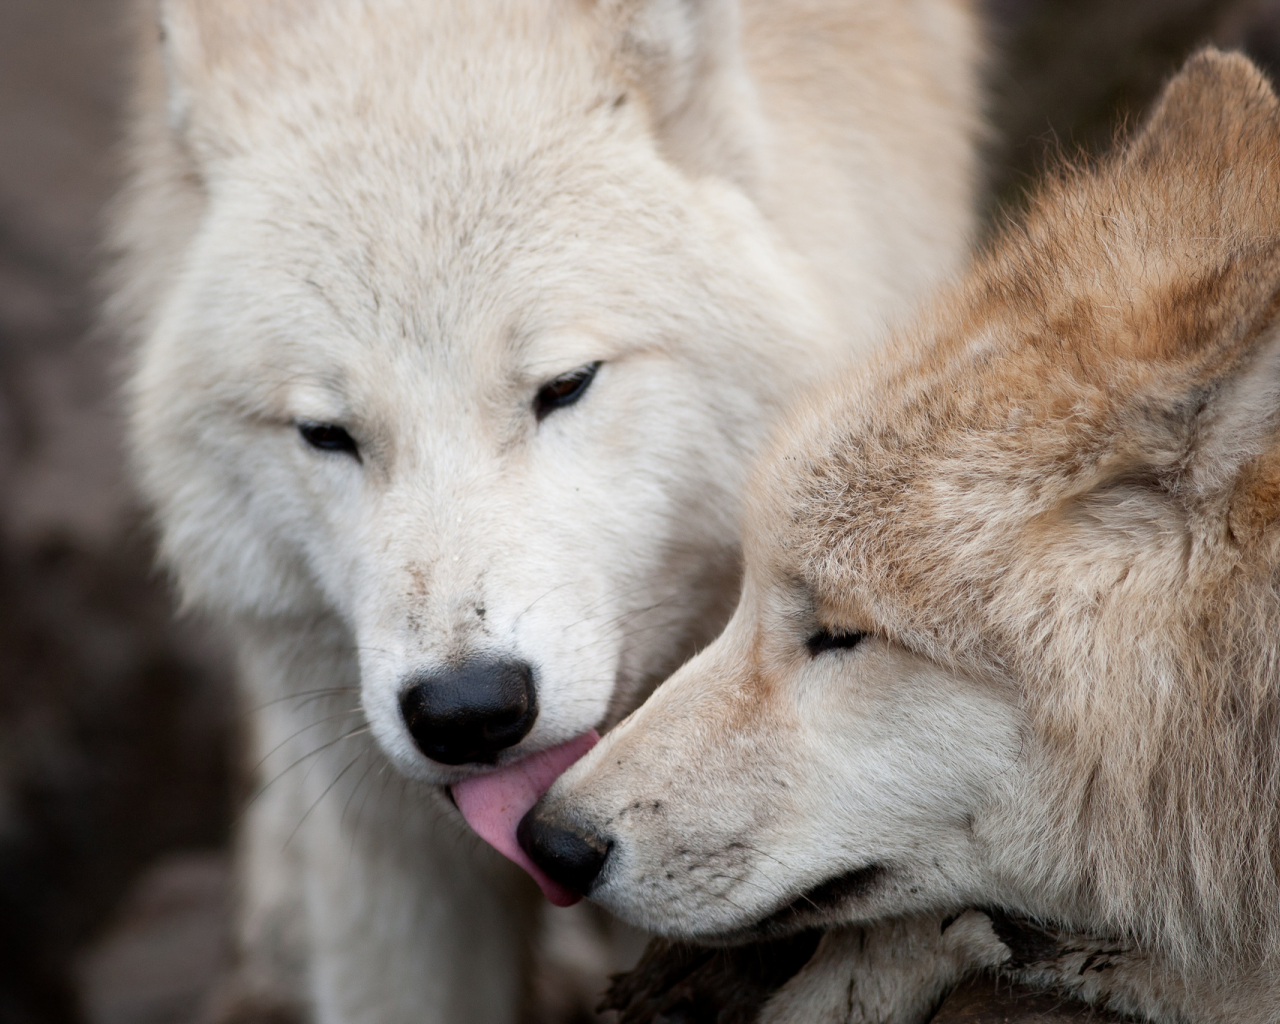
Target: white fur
(404,217)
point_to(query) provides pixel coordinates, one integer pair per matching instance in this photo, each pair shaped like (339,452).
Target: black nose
(468,714)
(568,852)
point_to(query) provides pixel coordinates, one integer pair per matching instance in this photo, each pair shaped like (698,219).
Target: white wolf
(457,323)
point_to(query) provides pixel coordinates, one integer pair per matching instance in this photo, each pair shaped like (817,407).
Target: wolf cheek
(757,795)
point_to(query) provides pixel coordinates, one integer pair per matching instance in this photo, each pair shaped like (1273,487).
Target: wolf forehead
(410,132)
(1087,353)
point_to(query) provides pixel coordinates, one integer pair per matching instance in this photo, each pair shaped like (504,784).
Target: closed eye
(825,640)
(329,437)
(564,390)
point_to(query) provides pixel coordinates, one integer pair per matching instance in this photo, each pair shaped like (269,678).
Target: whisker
(310,694)
(373,762)
(306,728)
(337,778)
(345,736)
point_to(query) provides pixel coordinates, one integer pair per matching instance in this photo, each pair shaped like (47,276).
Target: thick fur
(404,217)
(1054,515)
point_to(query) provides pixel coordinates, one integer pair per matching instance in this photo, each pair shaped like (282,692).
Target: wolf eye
(825,640)
(329,437)
(564,390)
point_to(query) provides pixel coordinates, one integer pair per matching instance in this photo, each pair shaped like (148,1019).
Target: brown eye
(329,437)
(564,390)
(824,640)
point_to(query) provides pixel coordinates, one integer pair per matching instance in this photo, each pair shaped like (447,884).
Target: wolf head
(470,325)
(1010,629)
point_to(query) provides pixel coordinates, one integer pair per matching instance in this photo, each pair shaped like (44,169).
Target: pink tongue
(493,804)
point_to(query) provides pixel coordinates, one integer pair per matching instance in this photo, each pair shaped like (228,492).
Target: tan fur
(1053,512)
(1076,441)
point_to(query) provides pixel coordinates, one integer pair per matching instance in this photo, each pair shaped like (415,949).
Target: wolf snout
(568,851)
(471,713)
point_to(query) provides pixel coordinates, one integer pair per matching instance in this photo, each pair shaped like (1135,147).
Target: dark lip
(805,911)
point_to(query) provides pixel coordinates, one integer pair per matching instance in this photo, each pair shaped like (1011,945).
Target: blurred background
(118,778)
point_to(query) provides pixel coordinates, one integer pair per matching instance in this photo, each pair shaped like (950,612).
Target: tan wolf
(457,324)
(1009,636)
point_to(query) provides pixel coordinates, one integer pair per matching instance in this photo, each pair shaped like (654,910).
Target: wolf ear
(1219,107)
(186,64)
(1212,146)
(685,59)
(195,37)
(1215,440)
(198,39)
(1206,442)
(1236,453)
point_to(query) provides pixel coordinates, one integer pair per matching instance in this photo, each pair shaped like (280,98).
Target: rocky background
(117,721)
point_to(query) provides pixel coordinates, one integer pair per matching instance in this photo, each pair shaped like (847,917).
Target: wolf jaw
(1052,517)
